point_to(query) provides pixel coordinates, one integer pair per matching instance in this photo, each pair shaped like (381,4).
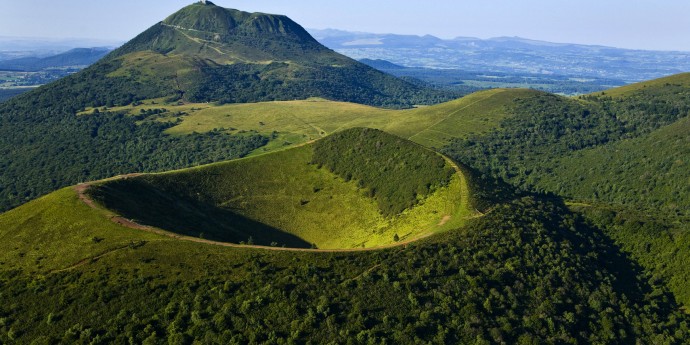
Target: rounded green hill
(358,188)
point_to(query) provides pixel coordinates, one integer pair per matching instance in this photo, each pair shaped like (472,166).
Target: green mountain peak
(224,25)
(207,53)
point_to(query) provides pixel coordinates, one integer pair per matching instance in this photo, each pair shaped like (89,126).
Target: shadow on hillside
(602,256)
(605,255)
(631,276)
(179,213)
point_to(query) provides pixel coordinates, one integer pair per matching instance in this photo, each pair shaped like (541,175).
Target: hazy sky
(643,24)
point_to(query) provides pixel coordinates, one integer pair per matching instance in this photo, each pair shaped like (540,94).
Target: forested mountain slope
(623,151)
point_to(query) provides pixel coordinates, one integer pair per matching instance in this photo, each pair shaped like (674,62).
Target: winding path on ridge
(81,189)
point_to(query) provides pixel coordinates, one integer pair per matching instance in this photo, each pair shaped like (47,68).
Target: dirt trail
(81,189)
(445,220)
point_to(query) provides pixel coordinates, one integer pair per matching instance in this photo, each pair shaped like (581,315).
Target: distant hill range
(78,57)
(381,64)
(21,47)
(507,55)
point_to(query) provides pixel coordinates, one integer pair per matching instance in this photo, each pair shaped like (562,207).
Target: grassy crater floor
(278,199)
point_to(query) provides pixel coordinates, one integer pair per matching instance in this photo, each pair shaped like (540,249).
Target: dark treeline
(243,83)
(6,94)
(45,145)
(658,242)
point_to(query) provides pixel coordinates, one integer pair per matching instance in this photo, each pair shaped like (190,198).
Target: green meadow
(300,121)
(658,86)
(58,230)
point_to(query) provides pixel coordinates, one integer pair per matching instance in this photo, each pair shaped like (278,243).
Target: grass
(296,122)
(394,171)
(477,113)
(56,231)
(281,192)
(151,64)
(682,79)
(188,292)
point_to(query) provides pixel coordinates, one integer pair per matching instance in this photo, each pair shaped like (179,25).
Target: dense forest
(375,160)
(622,156)
(215,54)
(242,83)
(529,272)
(580,233)
(658,242)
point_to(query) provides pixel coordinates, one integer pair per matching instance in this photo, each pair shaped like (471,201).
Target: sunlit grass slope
(660,86)
(58,230)
(294,122)
(280,199)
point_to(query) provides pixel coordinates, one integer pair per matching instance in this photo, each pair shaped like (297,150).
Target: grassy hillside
(431,126)
(528,272)
(284,199)
(657,86)
(647,180)
(294,122)
(57,231)
(527,147)
(228,36)
(397,173)
(44,151)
